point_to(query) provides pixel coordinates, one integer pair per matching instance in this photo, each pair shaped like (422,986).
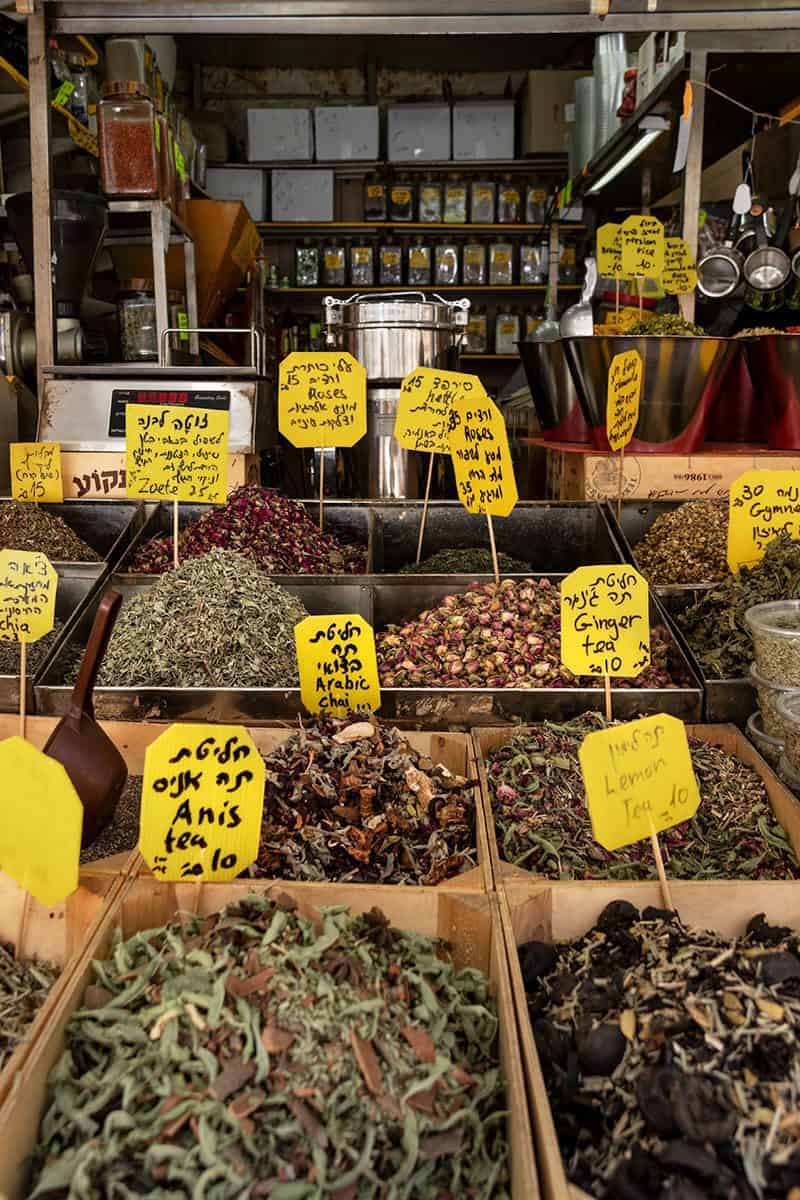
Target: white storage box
(302,195)
(483,129)
(279,133)
(418,132)
(247,184)
(344,132)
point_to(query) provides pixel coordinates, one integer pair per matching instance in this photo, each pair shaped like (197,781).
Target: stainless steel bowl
(553,392)
(682,377)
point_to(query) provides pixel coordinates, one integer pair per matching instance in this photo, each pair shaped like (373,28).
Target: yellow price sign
(337,664)
(605,622)
(609,251)
(481,458)
(28,586)
(680,275)
(176,453)
(622,398)
(44,802)
(426,397)
(639,779)
(761,506)
(322,399)
(202,801)
(36,472)
(642,247)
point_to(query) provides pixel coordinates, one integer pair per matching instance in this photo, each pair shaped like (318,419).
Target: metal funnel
(80,220)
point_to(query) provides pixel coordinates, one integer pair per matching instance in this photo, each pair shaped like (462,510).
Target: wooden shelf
(552,164)
(406,287)
(305,227)
(491,357)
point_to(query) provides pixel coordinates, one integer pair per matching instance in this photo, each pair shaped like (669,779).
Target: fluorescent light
(627,158)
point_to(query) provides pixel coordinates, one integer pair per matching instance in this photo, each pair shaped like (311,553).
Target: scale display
(122,397)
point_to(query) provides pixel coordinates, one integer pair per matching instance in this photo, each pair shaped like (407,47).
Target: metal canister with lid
(137,320)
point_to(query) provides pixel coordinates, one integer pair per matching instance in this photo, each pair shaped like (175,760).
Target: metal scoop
(92,761)
(578,320)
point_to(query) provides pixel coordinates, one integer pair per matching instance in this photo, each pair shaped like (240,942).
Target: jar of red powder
(125,131)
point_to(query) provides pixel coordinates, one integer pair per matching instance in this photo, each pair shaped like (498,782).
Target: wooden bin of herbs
(263,1039)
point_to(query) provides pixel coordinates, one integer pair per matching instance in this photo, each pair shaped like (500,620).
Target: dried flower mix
(473,561)
(670,1056)
(352,800)
(32,527)
(495,636)
(688,544)
(218,621)
(277,533)
(256,1053)
(715,627)
(23,990)
(542,822)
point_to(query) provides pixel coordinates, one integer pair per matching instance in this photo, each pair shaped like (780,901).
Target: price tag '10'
(481,458)
(322,399)
(639,779)
(680,274)
(36,472)
(605,622)
(642,247)
(423,409)
(609,251)
(176,453)
(202,800)
(337,664)
(761,506)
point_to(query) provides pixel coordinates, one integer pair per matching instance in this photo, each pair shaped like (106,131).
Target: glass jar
(532,322)
(445,264)
(401,201)
(567,265)
(430,201)
(374,199)
(501,259)
(334,266)
(474,269)
(509,202)
(166,159)
(362,270)
(533,263)
(200,164)
(419,264)
(137,321)
(506,333)
(79,99)
(481,206)
(306,259)
(128,166)
(476,340)
(535,204)
(455,201)
(391,263)
(177,318)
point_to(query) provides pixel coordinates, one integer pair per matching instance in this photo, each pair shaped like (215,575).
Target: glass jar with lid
(476,340)
(177,318)
(362,270)
(401,201)
(567,264)
(455,201)
(501,264)
(535,203)
(306,260)
(481,207)
(374,199)
(430,201)
(390,263)
(506,331)
(79,99)
(474,265)
(136,308)
(419,264)
(128,164)
(509,202)
(334,260)
(533,260)
(445,272)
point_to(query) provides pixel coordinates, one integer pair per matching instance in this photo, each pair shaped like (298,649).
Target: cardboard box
(544,99)
(248,184)
(418,132)
(285,134)
(344,132)
(302,195)
(483,129)
(226,243)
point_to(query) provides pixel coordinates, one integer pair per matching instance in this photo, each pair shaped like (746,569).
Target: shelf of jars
(468,288)
(303,228)
(13,83)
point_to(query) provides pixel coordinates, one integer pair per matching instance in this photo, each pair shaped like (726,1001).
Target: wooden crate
(470,923)
(100,475)
(784,805)
(532,911)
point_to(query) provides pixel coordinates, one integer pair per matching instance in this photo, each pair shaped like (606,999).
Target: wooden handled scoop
(92,761)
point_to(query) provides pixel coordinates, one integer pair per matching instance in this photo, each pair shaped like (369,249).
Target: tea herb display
(123,832)
(715,626)
(23,990)
(670,1056)
(351,800)
(277,533)
(218,621)
(256,1053)
(686,545)
(542,822)
(30,527)
(665,325)
(37,652)
(473,561)
(504,635)
(775,630)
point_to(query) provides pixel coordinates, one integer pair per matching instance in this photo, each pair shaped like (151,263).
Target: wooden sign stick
(620,477)
(641,294)
(666,894)
(321,486)
(23,670)
(494,548)
(175,525)
(23,922)
(425,508)
(616,309)
(607,687)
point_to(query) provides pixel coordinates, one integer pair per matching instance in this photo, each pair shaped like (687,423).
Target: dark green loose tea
(123,832)
(23,990)
(665,325)
(715,627)
(473,561)
(31,527)
(37,652)
(688,544)
(670,1056)
(351,800)
(218,621)
(542,822)
(255,1053)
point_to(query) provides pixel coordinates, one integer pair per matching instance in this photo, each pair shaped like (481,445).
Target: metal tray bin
(108,526)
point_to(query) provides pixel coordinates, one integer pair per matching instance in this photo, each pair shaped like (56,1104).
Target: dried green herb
(31,527)
(23,990)
(473,561)
(351,800)
(218,621)
(665,325)
(255,1053)
(715,627)
(688,544)
(36,653)
(542,821)
(670,1056)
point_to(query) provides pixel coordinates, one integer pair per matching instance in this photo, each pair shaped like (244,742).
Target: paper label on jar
(509,196)
(476,326)
(501,258)
(482,195)
(157,134)
(63,94)
(539,195)
(473,256)
(334,260)
(375,191)
(507,327)
(419,259)
(400,195)
(456,195)
(390,258)
(361,256)
(568,256)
